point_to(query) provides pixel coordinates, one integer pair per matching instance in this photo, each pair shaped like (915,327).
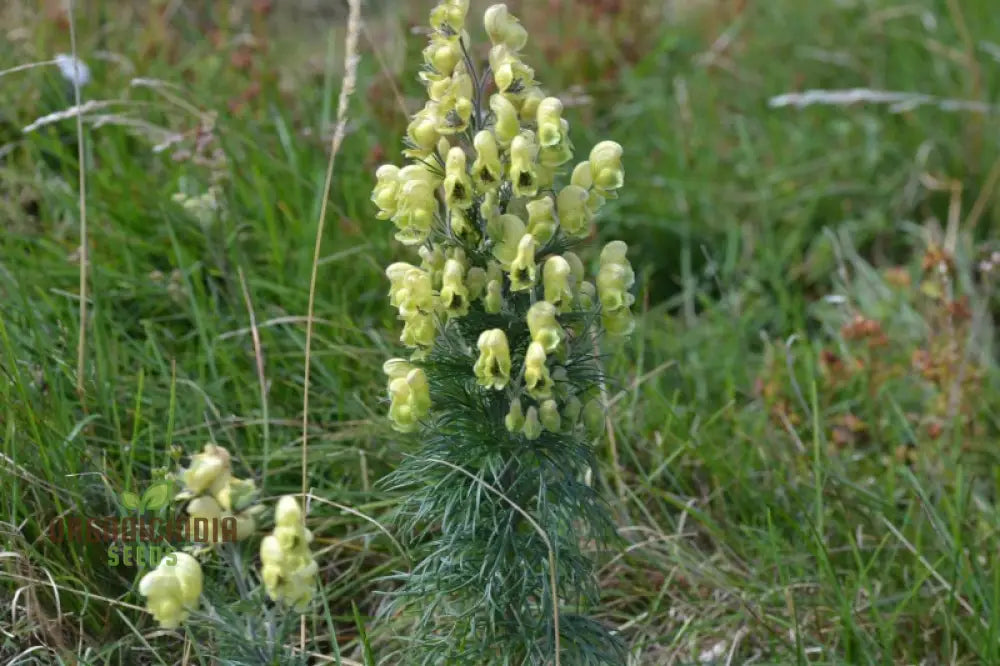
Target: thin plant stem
(81,345)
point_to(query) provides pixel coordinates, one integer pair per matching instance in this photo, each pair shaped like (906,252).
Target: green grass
(746,526)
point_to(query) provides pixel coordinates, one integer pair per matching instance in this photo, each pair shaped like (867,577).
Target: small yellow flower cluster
(214,492)
(172,589)
(482,201)
(288,568)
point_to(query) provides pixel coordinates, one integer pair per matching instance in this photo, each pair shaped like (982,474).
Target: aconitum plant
(501,380)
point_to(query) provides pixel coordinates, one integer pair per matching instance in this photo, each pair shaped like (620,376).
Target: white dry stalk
(898,102)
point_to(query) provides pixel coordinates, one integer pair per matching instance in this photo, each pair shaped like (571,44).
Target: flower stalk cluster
(288,568)
(500,318)
(214,493)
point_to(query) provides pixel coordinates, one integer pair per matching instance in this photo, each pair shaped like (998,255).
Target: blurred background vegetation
(804,461)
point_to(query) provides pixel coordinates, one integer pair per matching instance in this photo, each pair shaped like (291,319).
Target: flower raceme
(214,493)
(288,569)
(492,202)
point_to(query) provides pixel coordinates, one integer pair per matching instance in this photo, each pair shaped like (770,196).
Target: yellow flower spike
(542,219)
(504,28)
(548,414)
(536,373)
(506,232)
(454,294)
(288,569)
(514,421)
(458,191)
(449,16)
(593,417)
(512,76)
(574,216)
(571,413)
(532,426)
(419,332)
(523,270)
(209,470)
(614,279)
(492,368)
(486,170)
(493,301)
(556,275)
(529,106)
(549,118)
(543,327)
(606,166)
(172,589)
(475,280)
(523,174)
(587,295)
(386,191)
(506,126)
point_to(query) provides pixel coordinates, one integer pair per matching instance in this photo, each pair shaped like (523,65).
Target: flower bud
(523,174)
(543,326)
(529,106)
(410,400)
(571,412)
(536,373)
(574,216)
(506,126)
(475,280)
(523,270)
(581,176)
(492,368)
(504,28)
(593,417)
(587,296)
(514,421)
(443,53)
(542,219)
(549,117)
(532,429)
(576,268)
(454,294)
(606,166)
(449,15)
(556,282)
(548,413)
(493,301)
(506,231)
(422,130)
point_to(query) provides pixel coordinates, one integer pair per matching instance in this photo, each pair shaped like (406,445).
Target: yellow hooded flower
(458,192)
(288,569)
(475,281)
(574,216)
(506,232)
(542,219)
(209,470)
(454,98)
(422,132)
(529,105)
(493,301)
(443,53)
(512,76)
(449,16)
(172,589)
(549,118)
(523,270)
(556,275)
(543,327)
(454,294)
(386,190)
(492,368)
(410,400)
(486,170)
(523,173)
(536,373)
(506,126)
(419,332)
(606,166)
(504,28)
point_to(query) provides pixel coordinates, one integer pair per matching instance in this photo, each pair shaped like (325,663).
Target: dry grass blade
(81,346)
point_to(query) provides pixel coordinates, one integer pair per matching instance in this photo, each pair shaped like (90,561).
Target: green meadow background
(803,463)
